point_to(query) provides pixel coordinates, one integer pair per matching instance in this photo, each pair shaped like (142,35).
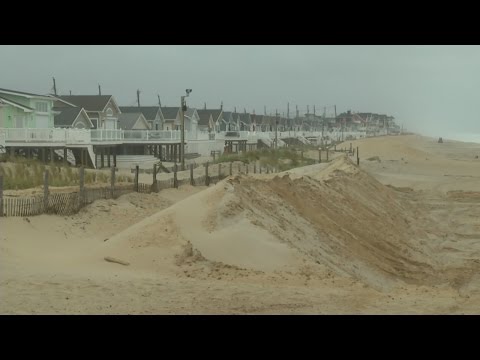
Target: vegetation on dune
(281,159)
(20,173)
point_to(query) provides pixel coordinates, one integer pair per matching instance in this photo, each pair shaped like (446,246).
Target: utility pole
(323,122)
(276,125)
(99,90)
(288,118)
(183,108)
(54,87)
(296,119)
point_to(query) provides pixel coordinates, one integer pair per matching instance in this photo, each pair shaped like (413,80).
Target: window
(41,106)
(94,122)
(19,122)
(109,112)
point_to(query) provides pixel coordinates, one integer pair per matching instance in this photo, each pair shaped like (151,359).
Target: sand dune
(393,236)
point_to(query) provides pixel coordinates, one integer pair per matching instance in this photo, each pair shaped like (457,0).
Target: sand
(398,235)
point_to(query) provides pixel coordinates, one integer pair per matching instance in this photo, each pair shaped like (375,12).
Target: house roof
(170,112)
(245,118)
(14,103)
(67,116)
(190,112)
(20,93)
(127,121)
(204,116)
(227,116)
(88,102)
(150,112)
(216,113)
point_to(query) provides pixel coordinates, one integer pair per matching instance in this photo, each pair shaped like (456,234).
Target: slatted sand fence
(23,206)
(63,203)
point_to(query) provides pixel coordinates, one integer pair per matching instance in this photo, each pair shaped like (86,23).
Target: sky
(428,89)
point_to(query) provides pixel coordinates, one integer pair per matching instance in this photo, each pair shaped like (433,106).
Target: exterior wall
(168,125)
(30,118)
(8,114)
(140,125)
(103,117)
(95,115)
(81,122)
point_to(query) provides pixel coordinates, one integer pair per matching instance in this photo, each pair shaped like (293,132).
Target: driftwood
(121,262)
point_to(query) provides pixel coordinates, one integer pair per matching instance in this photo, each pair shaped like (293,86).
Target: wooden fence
(65,204)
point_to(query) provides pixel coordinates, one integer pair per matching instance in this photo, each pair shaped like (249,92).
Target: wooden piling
(207,180)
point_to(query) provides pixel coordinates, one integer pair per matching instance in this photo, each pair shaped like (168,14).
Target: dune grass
(20,173)
(282,159)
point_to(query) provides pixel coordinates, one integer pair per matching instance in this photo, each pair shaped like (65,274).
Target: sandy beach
(398,235)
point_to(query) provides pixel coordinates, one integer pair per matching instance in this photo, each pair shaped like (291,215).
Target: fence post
(82,186)
(207,180)
(1,195)
(231,163)
(136,177)
(154,184)
(219,171)
(350,147)
(191,175)
(255,167)
(175,181)
(319,156)
(246,168)
(358,158)
(260,168)
(327,154)
(112,182)
(45,191)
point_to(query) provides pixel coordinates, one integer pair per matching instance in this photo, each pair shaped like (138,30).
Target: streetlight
(183,108)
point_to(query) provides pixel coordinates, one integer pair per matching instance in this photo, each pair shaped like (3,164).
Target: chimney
(99,90)
(54,87)
(205,106)
(221,105)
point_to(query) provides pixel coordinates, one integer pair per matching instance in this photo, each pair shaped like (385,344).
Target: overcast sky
(422,86)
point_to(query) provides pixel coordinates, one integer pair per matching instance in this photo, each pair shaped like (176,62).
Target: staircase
(70,156)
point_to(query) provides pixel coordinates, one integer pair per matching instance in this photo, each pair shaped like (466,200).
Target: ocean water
(465,137)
